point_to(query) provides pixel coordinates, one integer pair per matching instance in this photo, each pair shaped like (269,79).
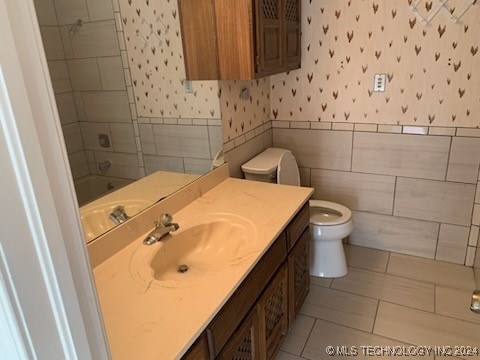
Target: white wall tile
(84,74)
(442,131)
(403,155)
(476,215)
(470,258)
(123,165)
(418,130)
(366,127)
(59,76)
(394,129)
(397,234)
(46,12)
(473,237)
(123,139)
(321,149)
(305,176)
(468,132)
(342,126)
(69,11)
(52,42)
(78,164)
(452,243)
(107,106)
(356,191)
(197,166)
(66,108)
(95,39)
(440,201)
(111,73)
(166,163)
(182,140)
(464,160)
(67,44)
(100,9)
(215,138)
(73,137)
(320,125)
(147,139)
(90,132)
(80,106)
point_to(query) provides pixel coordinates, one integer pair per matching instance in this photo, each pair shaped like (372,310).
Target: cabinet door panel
(273,315)
(270,34)
(298,275)
(292,36)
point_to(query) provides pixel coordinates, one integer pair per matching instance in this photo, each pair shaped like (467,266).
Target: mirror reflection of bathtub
(101,195)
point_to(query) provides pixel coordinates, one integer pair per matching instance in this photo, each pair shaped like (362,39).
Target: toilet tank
(263,167)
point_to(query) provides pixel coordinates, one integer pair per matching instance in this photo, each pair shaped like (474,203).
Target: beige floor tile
(340,307)
(325,282)
(389,288)
(326,334)
(437,272)
(423,328)
(298,335)
(455,303)
(286,356)
(366,258)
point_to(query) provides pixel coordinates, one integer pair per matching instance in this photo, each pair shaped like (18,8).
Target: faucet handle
(156,224)
(166,219)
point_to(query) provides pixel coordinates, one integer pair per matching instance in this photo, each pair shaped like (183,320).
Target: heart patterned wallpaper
(243,115)
(155,54)
(433,71)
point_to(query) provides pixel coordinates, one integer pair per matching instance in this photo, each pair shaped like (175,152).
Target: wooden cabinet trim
(297,225)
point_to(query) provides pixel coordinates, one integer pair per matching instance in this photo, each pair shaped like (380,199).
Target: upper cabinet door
(292,34)
(239,39)
(270,37)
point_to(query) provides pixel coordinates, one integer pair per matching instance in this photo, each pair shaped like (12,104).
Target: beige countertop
(145,320)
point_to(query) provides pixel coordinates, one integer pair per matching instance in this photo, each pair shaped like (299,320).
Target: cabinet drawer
(298,275)
(199,350)
(222,327)
(298,225)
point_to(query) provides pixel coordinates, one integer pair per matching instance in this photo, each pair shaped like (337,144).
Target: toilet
(330,222)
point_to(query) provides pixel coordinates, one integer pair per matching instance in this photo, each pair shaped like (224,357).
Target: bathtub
(92,187)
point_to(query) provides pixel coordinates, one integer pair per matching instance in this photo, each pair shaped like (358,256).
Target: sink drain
(183,269)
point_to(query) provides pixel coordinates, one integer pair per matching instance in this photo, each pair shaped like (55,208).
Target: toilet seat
(326,213)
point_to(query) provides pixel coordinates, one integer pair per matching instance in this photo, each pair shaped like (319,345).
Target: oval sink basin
(95,220)
(207,244)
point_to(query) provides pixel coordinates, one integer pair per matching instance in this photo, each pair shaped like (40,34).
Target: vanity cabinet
(255,320)
(241,39)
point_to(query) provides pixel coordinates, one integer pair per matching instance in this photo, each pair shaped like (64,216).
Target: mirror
(134,130)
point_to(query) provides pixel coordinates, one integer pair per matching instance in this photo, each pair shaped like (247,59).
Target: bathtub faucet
(118,215)
(104,165)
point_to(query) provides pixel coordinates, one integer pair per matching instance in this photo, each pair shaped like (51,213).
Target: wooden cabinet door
(292,34)
(298,275)
(273,315)
(243,343)
(269,36)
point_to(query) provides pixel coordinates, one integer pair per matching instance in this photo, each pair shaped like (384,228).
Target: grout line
(448,158)
(388,262)
(308,337)
(375,317)
(435,298)
(394,195)
(351,152)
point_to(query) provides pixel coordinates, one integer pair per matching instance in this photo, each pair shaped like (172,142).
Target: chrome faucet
(162,229)
(118,215)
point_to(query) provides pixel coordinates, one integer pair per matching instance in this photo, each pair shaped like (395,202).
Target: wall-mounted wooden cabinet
(239,39)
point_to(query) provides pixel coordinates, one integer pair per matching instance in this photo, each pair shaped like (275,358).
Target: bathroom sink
(207,244)
(95,219)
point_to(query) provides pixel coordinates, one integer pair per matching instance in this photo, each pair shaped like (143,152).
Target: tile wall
(92,85)
(410,193)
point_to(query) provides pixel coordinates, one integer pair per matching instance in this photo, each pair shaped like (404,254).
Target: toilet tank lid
(265,162)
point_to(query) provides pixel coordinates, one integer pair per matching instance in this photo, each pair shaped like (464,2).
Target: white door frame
(47,295)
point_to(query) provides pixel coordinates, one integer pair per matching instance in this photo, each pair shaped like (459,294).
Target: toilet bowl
(330,222)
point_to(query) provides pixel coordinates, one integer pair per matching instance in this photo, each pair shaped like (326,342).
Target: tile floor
(387,299)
